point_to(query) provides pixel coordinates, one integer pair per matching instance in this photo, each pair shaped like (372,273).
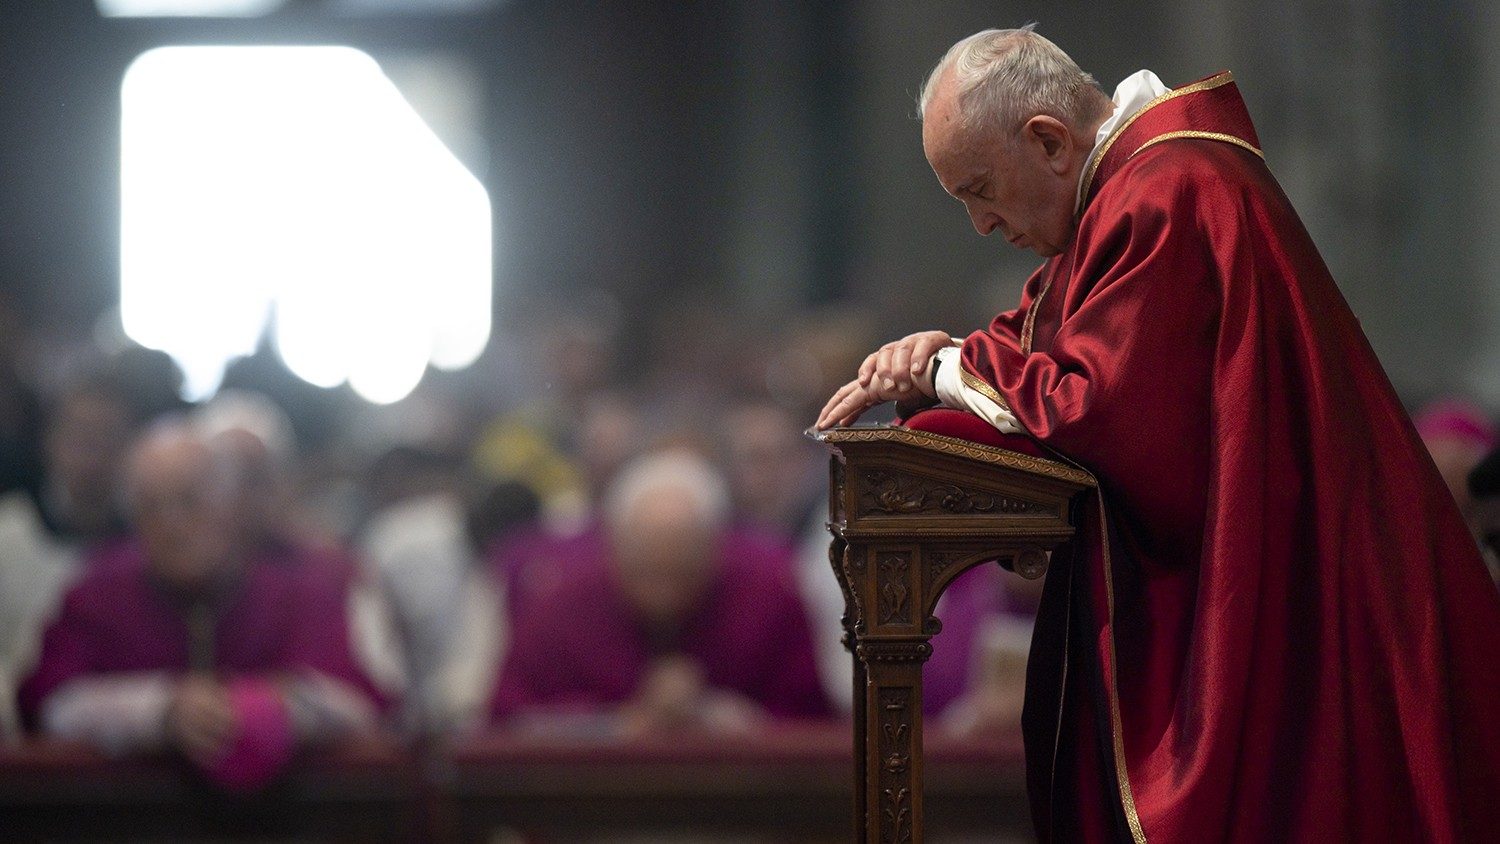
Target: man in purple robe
(677,627)
(188,639)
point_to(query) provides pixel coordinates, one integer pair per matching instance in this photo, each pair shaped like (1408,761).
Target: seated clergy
(676,627)
(187,639)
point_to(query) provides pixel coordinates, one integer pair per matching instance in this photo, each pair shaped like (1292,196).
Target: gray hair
(674,470)
(176,431)
(1004,77)
(253,413)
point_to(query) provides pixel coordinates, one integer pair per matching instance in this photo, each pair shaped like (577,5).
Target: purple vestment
(580,647)
(285,613)
(535,561)
(977,596)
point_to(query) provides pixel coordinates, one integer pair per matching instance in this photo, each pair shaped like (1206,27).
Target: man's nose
(984,222)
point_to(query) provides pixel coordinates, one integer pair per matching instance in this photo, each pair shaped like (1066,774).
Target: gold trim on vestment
(1117,737)
(1127,795)
(1194,133)
(1122,775)
(1208,84)
(1029,326)
(979,385)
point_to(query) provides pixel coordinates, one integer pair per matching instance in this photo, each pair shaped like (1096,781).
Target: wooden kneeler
(909,511)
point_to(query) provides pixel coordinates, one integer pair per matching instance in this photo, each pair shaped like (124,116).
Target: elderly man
(675,629)
(1274,625)
(185,640)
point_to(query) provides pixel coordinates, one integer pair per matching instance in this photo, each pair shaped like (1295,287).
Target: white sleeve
(119,714)
(980,399)
(323,709)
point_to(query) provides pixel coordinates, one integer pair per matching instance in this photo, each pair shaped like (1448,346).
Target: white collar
(1131,95)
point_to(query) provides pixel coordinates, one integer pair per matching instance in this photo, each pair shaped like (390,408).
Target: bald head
(1000,78)
(1008,123)
(179,492)
(665,513)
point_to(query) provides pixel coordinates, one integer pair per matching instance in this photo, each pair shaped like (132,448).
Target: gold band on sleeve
(979,385)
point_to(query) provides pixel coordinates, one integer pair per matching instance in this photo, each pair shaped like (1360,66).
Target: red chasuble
(1275,626)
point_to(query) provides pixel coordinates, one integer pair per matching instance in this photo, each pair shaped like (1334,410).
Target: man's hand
(668,698)
(898,371)
(200,721)
(899,365)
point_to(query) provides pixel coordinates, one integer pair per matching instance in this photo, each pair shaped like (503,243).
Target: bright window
(295,187)
(187,8)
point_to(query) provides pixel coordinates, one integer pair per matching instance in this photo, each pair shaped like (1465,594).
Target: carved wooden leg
(836,557)
(861,740)
(893,739)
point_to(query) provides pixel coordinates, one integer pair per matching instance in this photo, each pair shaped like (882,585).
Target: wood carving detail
(939,562)
(895,769)
(1031,562)
(894,493)
(895,591)
(907,515)
(836,491)
(961,448)
(885,651)
(853,567)
(837,550)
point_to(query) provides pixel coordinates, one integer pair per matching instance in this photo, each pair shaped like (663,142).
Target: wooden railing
(789,783)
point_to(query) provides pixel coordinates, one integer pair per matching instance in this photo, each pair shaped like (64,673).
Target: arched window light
(187,8)
(295,185)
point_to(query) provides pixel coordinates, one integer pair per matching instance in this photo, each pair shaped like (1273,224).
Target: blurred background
(475,339)
(765,158)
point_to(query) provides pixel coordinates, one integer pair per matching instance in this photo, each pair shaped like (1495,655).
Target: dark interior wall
(609,129)
(767,153)
(58,169)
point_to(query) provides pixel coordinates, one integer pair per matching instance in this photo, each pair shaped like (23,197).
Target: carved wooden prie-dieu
(910,511)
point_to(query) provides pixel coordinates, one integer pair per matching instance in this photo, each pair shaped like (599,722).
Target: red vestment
(1275,625)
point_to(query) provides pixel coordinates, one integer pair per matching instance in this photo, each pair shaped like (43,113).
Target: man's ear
(1053,138)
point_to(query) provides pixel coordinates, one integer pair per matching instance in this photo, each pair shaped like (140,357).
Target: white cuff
(118,713)
(954,391)
(322,708)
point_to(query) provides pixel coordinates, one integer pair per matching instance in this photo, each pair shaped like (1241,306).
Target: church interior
(402,402)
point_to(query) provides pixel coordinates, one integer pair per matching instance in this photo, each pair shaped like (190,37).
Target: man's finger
(833,401)
(829,414)
(884,379)
(846,408)
(849,410)
(200,739)
(838,396)
(922,352)
(867,370)
(901,366)
(855,413)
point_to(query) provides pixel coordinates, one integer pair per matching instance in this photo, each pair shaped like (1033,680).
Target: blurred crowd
(589,536)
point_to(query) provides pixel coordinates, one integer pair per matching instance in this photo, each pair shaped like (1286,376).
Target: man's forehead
(171,463)
(940,118)
(955,159)
(950,148)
